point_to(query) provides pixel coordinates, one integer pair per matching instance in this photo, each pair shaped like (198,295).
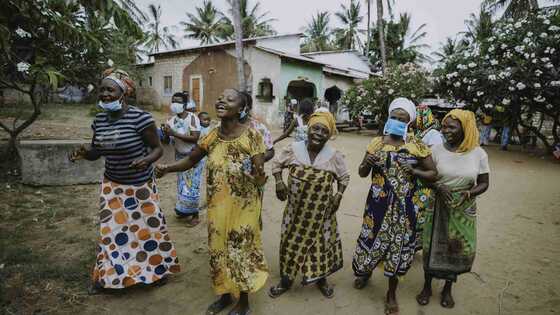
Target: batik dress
(450,229)
(388,232)
(310,241)
(237,262)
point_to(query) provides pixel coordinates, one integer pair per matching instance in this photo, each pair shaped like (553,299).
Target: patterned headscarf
(425,119)
(470,130)
(121,78)
(324,118)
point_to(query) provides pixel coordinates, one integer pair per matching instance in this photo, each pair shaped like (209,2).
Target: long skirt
(310,241)
(450,238)
(188,188)
(134,245)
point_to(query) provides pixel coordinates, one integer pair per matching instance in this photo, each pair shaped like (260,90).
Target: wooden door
(195,94)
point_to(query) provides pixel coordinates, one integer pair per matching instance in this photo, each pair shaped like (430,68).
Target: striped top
(120,142)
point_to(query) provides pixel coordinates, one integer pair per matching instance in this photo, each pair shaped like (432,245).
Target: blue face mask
(177,108)
(110,106)
(395,127)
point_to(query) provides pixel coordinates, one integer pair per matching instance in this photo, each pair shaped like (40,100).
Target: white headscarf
(406,105)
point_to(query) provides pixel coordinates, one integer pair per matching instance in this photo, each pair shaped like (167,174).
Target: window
(265,90)
(167,85)
(140,83)
(150,79)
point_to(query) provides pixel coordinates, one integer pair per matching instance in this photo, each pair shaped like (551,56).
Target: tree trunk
(239,44)
(538,134)
(368,27)
(381,33)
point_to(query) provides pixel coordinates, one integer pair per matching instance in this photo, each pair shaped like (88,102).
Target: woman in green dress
(450,229)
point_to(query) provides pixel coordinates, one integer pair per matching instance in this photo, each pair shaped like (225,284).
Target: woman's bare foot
(218,306)
(447,299)
(391,306)
(242,306)
(360,282)
(424,297)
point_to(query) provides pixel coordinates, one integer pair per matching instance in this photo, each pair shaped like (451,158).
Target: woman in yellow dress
(235,173)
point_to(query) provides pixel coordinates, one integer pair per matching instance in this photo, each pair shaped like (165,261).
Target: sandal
(360,282)
(277,290)
(193,221)
(326,290)
(423,298)
(218,306)
(391,309)
(447,303)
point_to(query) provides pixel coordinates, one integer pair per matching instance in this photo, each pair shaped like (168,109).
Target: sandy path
(518,243)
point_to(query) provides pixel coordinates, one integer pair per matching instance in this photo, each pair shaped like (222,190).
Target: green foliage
(208,25)
(348,36)
(317,33)
(376,93)
(253,22)
(158,36)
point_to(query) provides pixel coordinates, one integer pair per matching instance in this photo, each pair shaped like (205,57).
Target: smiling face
(109,91)
(229,104)
(452,130)
(318,134)
(400,115)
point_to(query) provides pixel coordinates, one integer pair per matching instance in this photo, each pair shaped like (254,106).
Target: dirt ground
(48,235)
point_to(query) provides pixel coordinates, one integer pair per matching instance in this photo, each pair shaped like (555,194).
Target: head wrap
(470,130)
(121,78)
(404,104)
(425,119)
(324,118)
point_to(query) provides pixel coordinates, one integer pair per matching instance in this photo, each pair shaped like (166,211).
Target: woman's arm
(482,184)
(268,155)
(281,189)
(287,133)
(150,137)
(84,152)
(188,162)
(368,163)
(257,170)
(192,138)
(426,169)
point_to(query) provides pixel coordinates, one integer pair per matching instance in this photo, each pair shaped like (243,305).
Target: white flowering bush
(513,74)
(375,94)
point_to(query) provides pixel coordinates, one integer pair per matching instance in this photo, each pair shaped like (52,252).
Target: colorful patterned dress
(388,231)
(310,241)
(237,261)
(450,228)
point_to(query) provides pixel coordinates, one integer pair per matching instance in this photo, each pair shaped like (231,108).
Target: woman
(134,245)
(394,160)
(450,230)
(427,131)
(183,130)
(299,124)
(310,240)
(235,168)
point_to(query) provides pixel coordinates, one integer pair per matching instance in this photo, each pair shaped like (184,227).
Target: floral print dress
(388,234)
(237,262)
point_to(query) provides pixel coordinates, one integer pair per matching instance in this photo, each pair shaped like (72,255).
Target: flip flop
(360,282)
(447,303)
(217,307)
(391,309)
(192,222)
(277,290)
(423,299)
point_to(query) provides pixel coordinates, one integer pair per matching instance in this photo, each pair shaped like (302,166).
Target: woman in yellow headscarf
(450,229)
(310,241)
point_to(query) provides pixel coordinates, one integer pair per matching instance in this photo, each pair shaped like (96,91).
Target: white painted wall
(341,82)
(288,44)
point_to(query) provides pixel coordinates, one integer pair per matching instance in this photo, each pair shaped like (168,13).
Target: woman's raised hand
(281,191)
(78,154)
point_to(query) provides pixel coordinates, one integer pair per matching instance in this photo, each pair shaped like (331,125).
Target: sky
(443,18)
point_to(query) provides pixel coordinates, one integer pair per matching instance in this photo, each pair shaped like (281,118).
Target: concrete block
(45,162)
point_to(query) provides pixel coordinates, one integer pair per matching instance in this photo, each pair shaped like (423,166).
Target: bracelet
(468,194)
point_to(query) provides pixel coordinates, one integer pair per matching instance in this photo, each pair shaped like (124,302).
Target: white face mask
(113,106)
(177,108)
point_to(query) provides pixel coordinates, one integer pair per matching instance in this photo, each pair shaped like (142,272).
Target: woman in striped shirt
(134,245)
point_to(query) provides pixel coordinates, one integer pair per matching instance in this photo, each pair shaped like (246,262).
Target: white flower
(488,106)
(491,39)
(554,28)
(520,86)
(517,25)
(529,34)
(545,59)
(457,84)
(492,77)
(472,65)
(475,99)
(90,88)
(21,33)
(465,80)
(492,48)
(519,49)
(555,83)
(549,65)
(101,50)
(543,35)
(534,61)
(23,66)
(413,95)
(549,106)
(504,46)
(110,63)
(391,91)
(479,93)
(506,101)
(511,88)
(538,73)
(537,85)
(546,22)
(494,62)
(539,99)
(461,67)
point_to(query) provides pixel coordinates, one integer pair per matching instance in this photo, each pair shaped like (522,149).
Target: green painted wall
(291,71)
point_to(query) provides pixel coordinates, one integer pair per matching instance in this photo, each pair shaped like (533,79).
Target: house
(275,71)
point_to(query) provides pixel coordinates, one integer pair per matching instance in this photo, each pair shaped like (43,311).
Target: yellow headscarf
(324,118)
(470,130)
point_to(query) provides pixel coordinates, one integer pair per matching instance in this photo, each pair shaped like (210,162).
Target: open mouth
(220,107)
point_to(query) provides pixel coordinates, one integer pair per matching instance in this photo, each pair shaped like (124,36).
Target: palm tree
(317,33)
(157,35)
(207,25)
(236,13)
(347,37)
(479,27)
(381,31)
(449,48)
(512,8)
(253,23)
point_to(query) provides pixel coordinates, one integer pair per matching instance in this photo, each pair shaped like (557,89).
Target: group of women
(422,196)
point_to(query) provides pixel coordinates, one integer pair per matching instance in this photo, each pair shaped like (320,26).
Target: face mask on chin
(113,106)
(395,127)
(177,108)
